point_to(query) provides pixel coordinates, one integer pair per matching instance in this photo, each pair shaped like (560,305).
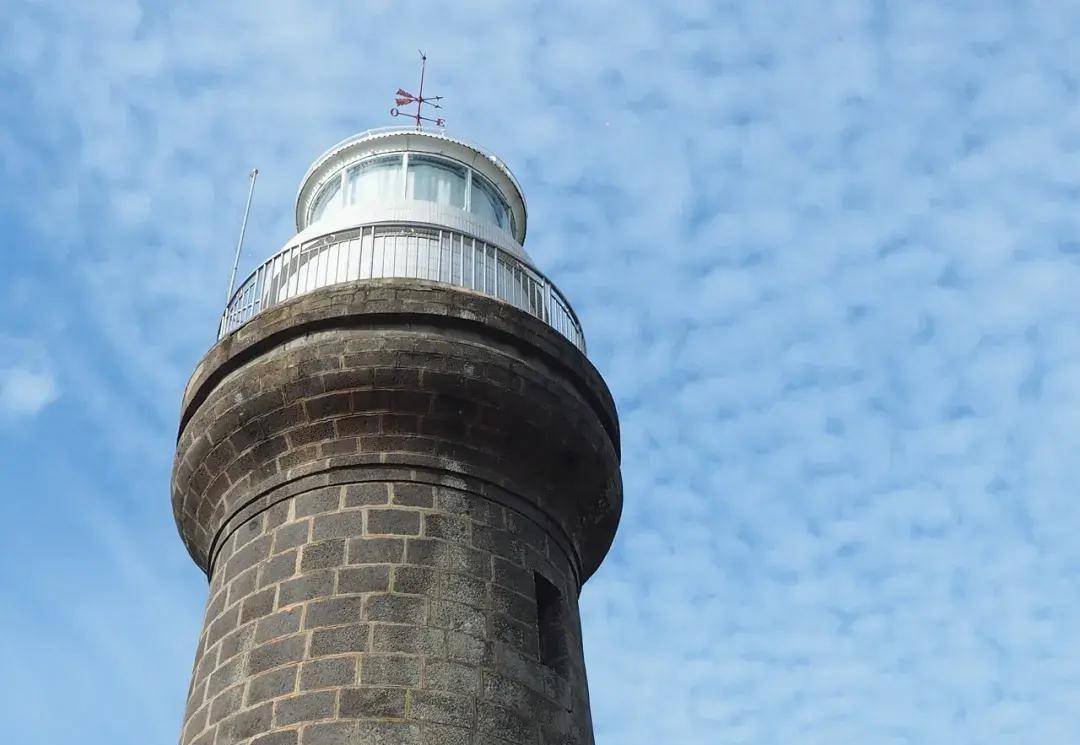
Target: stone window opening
(551,624)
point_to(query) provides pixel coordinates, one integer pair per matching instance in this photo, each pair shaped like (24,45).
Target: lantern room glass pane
(434,180)
(487,204)
(327,201)
(374,180)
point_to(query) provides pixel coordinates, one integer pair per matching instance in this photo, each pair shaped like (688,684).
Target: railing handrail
(254,294)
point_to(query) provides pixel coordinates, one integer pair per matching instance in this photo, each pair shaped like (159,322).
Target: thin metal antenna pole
(420,98)
(243,227)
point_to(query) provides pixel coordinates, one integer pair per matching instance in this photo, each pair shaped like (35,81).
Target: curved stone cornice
(408,374)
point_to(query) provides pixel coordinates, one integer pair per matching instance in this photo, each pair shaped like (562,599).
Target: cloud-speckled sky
(827,255)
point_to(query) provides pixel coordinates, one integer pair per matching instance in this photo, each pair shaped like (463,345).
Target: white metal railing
(416,251)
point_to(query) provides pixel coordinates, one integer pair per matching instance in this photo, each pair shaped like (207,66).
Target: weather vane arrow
(404,98)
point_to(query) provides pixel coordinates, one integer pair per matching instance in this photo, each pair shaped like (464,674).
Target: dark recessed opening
(551,626)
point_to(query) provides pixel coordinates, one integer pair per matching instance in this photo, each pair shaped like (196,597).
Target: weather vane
(404,98)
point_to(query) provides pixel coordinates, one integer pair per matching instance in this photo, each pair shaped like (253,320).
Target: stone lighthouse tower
(397,468)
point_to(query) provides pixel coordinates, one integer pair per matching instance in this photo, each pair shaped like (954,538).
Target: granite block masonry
(397,489)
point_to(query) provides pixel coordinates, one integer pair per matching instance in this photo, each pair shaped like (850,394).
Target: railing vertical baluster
(293,286)
(341,248)
(283,281)
(294,271)
(382,242)
(279,278)
(301,267)
(370,233)
(262,285)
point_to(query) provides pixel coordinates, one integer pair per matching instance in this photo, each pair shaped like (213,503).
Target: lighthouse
(397,468)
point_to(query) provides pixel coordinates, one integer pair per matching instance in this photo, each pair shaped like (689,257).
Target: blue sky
(827,255)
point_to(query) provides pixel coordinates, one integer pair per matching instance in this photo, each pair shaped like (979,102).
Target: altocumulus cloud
(25,392)
(27,378)
(826,254)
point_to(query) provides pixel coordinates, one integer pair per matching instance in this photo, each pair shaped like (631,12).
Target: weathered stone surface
(374,497)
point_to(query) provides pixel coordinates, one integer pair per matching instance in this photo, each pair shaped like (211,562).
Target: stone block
(365,494)
(415,580)
(282,737)
(270,685)
(291,535)
(322,555)
(339,640)
(363,579)
(276,653)
(492,719)
(277,568)
(395,670)
(393,522)
(306,707)
(393,608)
(464,588)
(318,501)
(328,405)
(226,703)
(345,524)
(444,675)
(513,576)
(333,612)
(413,495)
(311,433)
(444,708)
(396,638)
(279,624)
(223,676)
(236,642)
(513,604)
(446,527)
(441,734)
(458,617)
(372,703)
(376,550)
(244,724)
(361,732)
(332,672)
(258,605)
(306,587)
